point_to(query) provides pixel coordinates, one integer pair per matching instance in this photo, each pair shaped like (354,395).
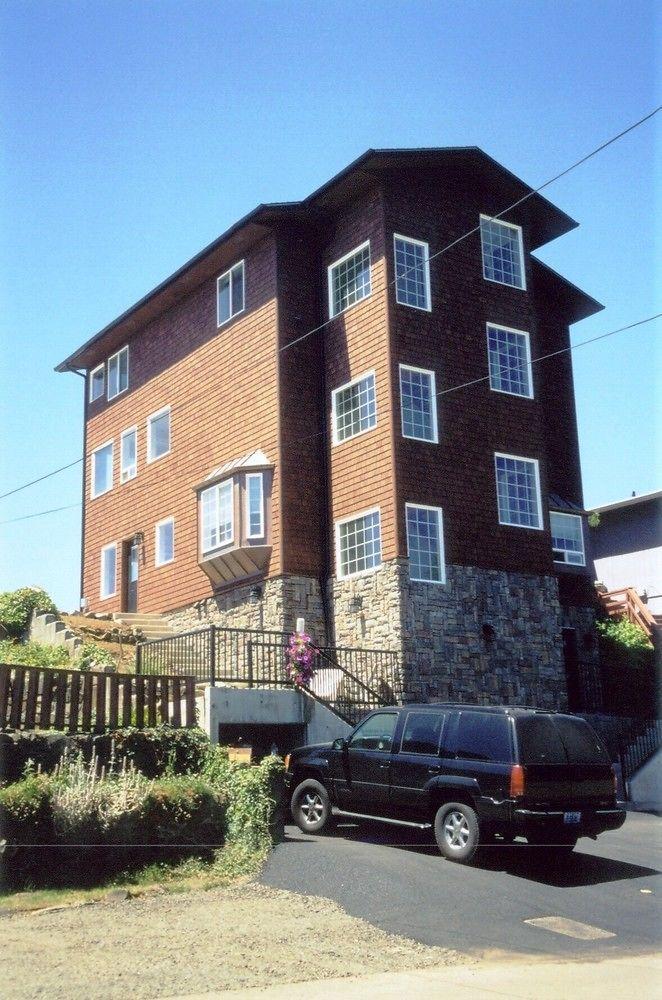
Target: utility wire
(41,513)
(476,229)
(443,392)
(41,479)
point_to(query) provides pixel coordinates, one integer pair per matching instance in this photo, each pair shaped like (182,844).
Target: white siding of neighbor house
(641,570)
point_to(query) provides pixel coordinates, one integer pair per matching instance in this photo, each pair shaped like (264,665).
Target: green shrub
(162,749)
(16,609)
(253,796)
(95,657)
(183,811)
(622,633)
(33,654)
(623,645)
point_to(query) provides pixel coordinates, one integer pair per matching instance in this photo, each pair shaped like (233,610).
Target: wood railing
(73,701)
(626,603)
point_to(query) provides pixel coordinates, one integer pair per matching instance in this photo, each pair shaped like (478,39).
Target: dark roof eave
(578,304)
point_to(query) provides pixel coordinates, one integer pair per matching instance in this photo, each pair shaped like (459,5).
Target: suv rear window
(539,741)
(482,736)
(582,744)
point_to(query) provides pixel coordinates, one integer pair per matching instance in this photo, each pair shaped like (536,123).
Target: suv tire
(456,831)
(311,808)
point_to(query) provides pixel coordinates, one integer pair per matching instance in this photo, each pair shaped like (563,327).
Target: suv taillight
(287,761)
(516,781)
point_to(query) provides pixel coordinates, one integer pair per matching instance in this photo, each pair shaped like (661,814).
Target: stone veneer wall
(284,599)
(438,629)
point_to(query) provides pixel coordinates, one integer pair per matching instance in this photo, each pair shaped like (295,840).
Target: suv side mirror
(340,744)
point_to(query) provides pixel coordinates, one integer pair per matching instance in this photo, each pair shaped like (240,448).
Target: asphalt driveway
(395,878)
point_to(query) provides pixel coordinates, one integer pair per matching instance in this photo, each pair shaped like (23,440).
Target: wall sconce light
(355,604)
(255,595)
(489,633)
(139,538)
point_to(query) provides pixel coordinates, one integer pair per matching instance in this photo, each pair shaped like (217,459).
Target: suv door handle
(384,763)
(434,770)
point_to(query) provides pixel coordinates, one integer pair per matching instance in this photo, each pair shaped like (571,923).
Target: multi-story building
(323,415)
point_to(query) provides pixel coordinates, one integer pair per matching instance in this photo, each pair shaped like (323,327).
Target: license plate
(572,817)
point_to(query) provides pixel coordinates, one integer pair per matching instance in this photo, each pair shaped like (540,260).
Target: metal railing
(351,682)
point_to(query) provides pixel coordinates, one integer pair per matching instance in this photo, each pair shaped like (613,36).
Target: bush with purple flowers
(300,657)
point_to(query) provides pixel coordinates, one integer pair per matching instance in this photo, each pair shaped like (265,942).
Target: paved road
(396,879)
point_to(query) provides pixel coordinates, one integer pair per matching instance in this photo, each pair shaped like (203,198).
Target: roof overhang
(545,222)
(573,303)
(629,502)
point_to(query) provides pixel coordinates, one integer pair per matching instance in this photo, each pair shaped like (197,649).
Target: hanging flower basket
(300,657)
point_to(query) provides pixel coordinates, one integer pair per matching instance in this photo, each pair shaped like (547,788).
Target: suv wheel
(311,809)
(456,831)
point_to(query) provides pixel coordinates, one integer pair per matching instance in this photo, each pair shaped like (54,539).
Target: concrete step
(134,616)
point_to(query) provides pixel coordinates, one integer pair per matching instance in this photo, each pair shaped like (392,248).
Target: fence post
(139,657)
(249,648)
(212,655)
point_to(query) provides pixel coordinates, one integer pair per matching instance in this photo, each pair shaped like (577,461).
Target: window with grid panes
(425,544)
(359,544)
(412,273)
(216,516)
(502,252)
(349,280)
(518,491)
(510,361)
(354,408)
(567,538)
(418,402)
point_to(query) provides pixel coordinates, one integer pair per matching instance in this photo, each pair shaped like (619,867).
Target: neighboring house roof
(544,220)
(629,502)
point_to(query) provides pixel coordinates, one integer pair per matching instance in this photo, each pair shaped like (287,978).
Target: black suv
(476,774)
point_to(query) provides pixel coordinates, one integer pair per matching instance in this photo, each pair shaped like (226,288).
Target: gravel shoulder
(220,939)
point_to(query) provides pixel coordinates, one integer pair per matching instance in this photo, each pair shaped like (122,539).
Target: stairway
(627,604)
(152,626)
(51,630)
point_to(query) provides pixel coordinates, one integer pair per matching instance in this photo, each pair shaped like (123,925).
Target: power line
(41,479)
(476,229)
(41,513)
(553,354)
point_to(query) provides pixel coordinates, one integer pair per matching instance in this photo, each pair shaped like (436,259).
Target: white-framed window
(518,491)
(97,382)
(230,294)
(102,469)
(217,516)
(354,408)
(358,543)
(255,505)
(503,252)
(158,434)
(118,373)
(425,543)
(412,272)
(164,542)
(108,574)
(418,404)
(509,355)
(349,279)
(567,538)
(128,454)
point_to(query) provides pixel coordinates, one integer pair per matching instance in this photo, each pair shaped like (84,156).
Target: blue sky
(136,132)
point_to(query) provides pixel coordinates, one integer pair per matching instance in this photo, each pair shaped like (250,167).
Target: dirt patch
(93,630)
(166,945)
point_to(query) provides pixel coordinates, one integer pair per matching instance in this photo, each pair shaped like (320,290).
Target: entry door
(132,577)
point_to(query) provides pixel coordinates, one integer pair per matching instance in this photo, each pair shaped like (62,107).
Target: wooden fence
(73,701)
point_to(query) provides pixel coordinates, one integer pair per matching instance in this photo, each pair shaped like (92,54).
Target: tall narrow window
(102,469)
(567,538)
(425,544)
(358,544)
(230,293)
(503,256)
(118,373)
(354,408)
(158,434)
(128,454)
(108,571)
(509,360)
(412,272)
(164,542)
(217,516)
(418,402)
(349,279)
(97,382)
(518,491)
(254,505)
